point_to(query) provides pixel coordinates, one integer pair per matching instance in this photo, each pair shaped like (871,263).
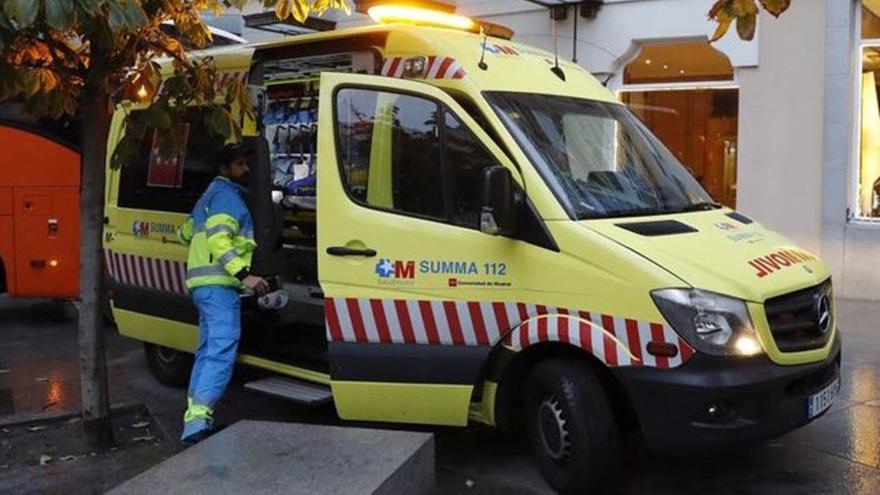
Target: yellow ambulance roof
(511,66)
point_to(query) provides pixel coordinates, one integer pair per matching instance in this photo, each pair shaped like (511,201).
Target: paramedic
(220,235)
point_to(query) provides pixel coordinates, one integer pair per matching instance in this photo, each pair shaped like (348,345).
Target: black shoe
(201,435)
(197,437)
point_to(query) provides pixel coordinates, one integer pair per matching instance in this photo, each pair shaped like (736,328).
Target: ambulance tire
(571,426)
(169,366)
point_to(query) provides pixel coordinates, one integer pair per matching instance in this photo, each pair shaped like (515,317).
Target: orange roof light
(415,15)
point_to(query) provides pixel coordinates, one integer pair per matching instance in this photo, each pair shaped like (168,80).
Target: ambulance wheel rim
(553,430)
(166,356)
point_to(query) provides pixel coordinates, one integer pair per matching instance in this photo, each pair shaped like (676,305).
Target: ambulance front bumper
(713,403)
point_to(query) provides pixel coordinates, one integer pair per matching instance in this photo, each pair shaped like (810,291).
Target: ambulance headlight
(713,324)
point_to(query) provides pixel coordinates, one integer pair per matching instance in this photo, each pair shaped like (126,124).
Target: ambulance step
(305,393)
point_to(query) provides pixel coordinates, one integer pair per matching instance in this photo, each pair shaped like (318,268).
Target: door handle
(346,251)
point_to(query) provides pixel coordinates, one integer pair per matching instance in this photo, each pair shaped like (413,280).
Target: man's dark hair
(229,154)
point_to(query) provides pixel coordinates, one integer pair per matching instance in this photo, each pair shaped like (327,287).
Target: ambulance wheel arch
(513,371)
(604,341)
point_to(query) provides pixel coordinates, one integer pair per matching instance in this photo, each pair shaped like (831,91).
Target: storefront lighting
(142,92)
(648,61)
(398,13)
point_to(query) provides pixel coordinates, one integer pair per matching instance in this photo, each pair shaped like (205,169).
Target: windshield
(598,158)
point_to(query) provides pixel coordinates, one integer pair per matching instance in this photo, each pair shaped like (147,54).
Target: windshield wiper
(632,212)
(702,206)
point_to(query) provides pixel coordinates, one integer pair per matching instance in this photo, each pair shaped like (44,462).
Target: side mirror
(498,215)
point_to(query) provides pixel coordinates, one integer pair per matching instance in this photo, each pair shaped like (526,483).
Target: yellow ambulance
(465,230)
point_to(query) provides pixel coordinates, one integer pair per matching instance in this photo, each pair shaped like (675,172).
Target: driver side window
(410,155)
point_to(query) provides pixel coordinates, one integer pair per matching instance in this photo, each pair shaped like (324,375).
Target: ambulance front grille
(796,321)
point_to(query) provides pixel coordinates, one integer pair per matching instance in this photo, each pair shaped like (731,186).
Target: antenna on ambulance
(556,68)
(483,65)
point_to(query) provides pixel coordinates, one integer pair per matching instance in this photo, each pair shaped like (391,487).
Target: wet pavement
(838,453)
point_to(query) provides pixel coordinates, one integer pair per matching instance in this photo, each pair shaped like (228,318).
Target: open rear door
(408,276)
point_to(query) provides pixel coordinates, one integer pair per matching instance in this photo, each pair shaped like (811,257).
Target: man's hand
(255,284)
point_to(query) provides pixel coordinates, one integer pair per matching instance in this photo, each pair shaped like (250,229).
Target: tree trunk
(95,114)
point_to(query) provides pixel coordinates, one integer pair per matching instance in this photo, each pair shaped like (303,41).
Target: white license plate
(822,400)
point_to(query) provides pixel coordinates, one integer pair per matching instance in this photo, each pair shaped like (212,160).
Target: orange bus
(39,212)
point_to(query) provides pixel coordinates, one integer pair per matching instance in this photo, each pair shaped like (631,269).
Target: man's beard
(243,180)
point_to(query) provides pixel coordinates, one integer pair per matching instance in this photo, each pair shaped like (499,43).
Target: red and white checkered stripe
(438,68)
(151,273)
(615,341)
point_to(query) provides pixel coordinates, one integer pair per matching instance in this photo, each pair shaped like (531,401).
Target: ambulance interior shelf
(290,125)
(290,115)
(289,105)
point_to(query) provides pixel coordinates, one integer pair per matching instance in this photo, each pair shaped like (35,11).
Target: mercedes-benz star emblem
(823,312)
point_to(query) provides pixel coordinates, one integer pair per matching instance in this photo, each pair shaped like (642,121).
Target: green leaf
(218,121)
(5,25)
(159,117)
(116,19)
(60,14)
(22,11)
(90,6)
(135,16)
(126,15)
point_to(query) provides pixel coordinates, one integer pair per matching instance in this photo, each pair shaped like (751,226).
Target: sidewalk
(50,456)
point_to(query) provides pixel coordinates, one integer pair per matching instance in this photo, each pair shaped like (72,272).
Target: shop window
(188,168)
(869,138)
(871,19)
(698,123)
(677,63)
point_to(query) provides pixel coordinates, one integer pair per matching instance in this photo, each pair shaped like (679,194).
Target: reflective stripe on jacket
(220,234)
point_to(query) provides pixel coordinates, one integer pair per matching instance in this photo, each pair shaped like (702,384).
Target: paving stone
(257,457)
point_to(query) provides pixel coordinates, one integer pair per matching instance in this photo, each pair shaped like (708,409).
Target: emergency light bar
(400,13)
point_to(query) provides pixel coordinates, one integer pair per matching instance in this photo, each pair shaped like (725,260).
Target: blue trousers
(219,332)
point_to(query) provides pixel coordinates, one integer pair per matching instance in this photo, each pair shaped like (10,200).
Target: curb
(53,417)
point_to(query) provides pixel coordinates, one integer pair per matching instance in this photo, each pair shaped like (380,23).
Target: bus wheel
(571,427)
(169,366)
